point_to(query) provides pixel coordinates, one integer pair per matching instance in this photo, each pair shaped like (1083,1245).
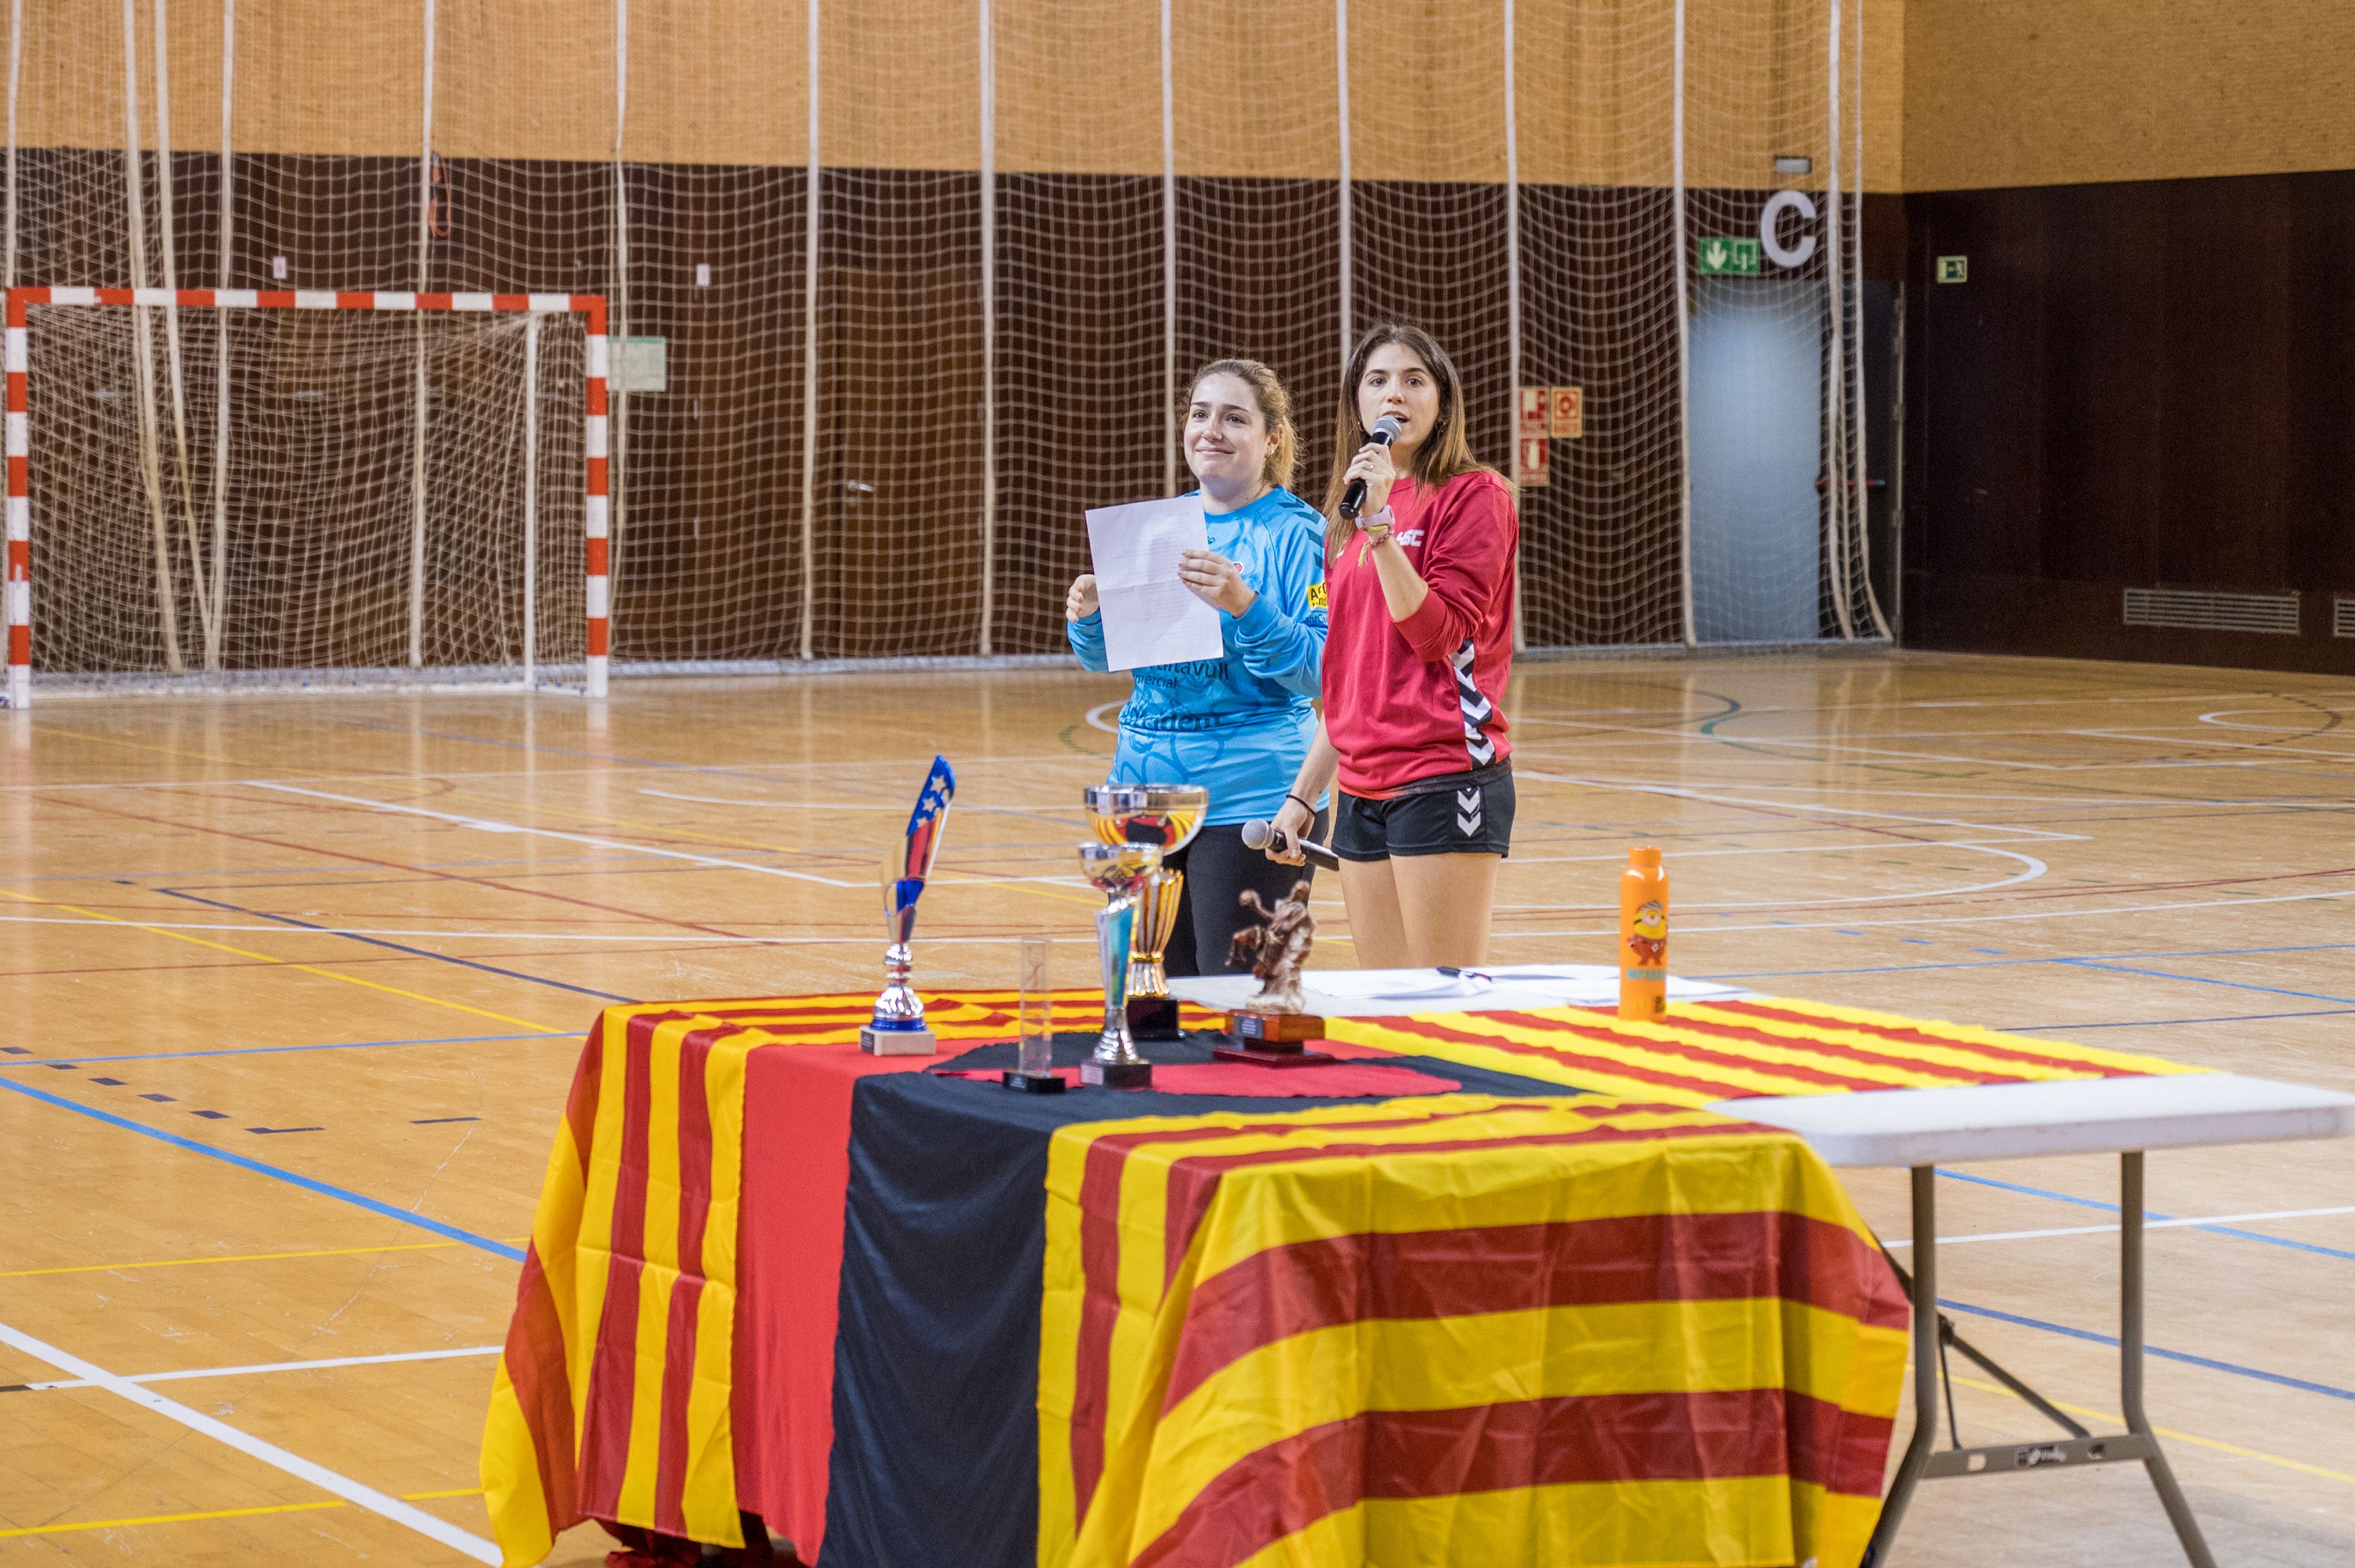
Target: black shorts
(1468,815)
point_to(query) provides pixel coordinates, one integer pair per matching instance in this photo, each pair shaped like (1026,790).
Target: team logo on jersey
(1316,596)
(1410,538)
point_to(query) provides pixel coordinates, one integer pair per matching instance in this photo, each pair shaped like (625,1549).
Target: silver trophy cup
(1165,816)
(1118,869)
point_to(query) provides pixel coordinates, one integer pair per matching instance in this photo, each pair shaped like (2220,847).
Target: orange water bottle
(1644,937)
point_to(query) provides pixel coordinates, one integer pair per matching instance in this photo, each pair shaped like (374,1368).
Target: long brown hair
(1444,453)
(1274,407)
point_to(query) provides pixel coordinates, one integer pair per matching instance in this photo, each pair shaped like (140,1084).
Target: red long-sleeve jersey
(1410,699)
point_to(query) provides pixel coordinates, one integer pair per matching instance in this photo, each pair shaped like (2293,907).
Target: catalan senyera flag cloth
(1740,1048)
(1458,1328)
(631,1389)
(614,1398)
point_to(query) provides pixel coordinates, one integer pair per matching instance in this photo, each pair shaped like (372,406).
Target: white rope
(1341,76)
(988,325)
(1513,289)
(219,590)
(418,408)
(809,354)
(1684,341)
(166,187)
(151,463)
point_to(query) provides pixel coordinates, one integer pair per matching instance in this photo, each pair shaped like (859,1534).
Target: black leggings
(1210,912)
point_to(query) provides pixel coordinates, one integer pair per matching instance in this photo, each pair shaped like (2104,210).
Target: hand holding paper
(1149,615)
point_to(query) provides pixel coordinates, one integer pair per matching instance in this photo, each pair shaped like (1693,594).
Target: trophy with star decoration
(898,1028)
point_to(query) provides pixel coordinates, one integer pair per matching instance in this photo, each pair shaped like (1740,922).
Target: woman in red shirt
(1421,591)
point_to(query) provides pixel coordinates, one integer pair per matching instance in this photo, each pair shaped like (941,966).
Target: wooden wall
(2147,384)
(2146,381)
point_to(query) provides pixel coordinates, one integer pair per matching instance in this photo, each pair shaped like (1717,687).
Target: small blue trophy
(898,1028)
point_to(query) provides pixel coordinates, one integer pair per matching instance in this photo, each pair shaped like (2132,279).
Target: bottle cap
(1648,856)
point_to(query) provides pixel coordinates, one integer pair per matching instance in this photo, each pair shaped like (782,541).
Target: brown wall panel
(2140,385)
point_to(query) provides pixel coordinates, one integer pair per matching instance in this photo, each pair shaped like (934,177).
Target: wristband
(1302,804)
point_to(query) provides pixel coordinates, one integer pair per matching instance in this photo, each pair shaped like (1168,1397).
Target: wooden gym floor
(293,988)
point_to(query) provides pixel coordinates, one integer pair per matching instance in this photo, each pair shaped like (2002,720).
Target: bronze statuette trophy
(1165,816)
(1272,1029)
(898,1027)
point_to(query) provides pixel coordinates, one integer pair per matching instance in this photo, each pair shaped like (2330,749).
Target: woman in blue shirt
(1239,725)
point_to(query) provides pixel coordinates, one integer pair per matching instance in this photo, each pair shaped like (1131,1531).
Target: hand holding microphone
(1259,835)
(1372,464)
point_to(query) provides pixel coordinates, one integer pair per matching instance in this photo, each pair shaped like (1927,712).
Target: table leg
(1926,1368)
(2130,1291)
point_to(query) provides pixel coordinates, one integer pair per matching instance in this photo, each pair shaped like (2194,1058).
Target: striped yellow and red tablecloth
(1710,1270)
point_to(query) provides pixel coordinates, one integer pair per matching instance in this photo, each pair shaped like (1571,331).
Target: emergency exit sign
(1954,269)
(1730,256)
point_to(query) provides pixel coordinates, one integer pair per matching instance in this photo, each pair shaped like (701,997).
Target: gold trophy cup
(1165,816)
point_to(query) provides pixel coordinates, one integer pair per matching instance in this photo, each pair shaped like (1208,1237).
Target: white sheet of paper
(1149,616)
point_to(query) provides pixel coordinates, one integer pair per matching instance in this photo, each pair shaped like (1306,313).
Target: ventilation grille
(2195,612)
(2342,617)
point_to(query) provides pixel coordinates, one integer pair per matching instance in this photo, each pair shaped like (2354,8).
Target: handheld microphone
(1386,430)
(1258,835)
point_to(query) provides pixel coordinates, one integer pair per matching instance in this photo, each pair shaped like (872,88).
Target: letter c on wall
(1781,255)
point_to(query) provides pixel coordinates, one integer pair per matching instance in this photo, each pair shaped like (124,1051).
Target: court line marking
(265,957)
(685,938)
(2202,1222)
(229,1258)
(308,1183)
(2150,1220)
(270,1454)
(2211,1364)
(2204,980)
(275,1050)
(396,947)
(320,1365)
(222,1513)
(2168,1433)
(492,826)
(1691,933)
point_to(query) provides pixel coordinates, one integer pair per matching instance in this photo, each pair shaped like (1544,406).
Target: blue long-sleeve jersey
(1240,723)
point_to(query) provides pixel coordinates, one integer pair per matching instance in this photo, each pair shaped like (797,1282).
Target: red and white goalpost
(261,513)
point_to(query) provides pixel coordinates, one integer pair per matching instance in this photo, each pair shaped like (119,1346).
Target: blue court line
(2202,980)
(2149,1215)
(396,947)
(2159,1022)
(2184,1356)
(2008,963)
(275,1050)
(309,1184)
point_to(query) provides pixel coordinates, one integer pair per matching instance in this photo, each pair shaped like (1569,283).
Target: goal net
(246,488)
(898,289)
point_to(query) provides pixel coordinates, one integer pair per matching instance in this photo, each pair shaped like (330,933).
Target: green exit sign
(1954,269)
(1729,256)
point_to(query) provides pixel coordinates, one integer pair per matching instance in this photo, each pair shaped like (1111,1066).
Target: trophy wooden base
(1276,1028)
(1153,1017)
(1272,1039)
(1117,1074)
(897,1041)
(1034,1083)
